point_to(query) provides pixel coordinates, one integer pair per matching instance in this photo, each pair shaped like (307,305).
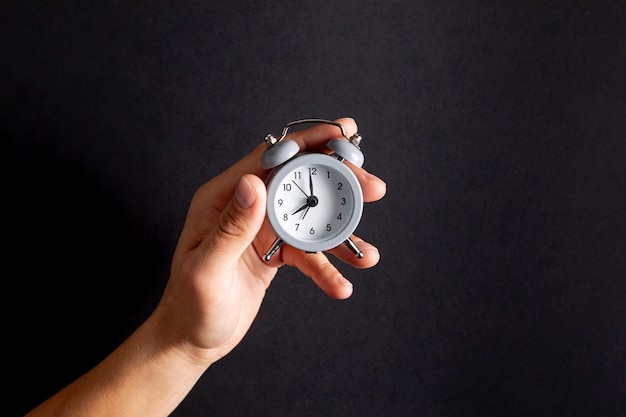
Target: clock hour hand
(310,202)
(306,205)
(311,182)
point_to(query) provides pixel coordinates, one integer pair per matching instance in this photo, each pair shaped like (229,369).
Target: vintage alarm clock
(314,200)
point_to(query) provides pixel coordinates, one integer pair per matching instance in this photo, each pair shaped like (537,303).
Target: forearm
(147,375)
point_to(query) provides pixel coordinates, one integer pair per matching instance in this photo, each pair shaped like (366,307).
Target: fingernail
(245,195)
(375,178)
(342,281)
(365,246)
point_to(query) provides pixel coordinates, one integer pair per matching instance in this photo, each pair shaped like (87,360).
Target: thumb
(241,220)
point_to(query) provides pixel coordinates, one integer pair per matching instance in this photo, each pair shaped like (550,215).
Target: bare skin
(217,282)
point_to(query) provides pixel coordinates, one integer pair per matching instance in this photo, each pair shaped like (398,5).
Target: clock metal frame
(283,157)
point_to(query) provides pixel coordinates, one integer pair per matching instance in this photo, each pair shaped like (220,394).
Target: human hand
(216,285)
(218,276)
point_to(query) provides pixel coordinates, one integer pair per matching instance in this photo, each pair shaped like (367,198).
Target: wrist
(168,341)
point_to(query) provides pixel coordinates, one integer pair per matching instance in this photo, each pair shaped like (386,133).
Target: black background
(500,130)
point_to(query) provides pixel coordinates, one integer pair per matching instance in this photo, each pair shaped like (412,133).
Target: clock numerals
(311,202)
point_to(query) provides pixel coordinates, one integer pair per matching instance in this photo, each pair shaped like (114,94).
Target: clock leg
(273,249)
(349,243)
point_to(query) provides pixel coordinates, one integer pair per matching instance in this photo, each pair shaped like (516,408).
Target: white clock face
(314,202)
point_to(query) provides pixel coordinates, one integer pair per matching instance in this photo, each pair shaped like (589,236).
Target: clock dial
(314,202)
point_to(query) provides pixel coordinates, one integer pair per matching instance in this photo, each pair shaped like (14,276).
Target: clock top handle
(279,150)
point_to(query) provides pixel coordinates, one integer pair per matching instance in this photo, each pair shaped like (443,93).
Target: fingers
(373,187)
(325,275)
(317,267)
(316,136)
(371,255)
(239,222)
(312,138)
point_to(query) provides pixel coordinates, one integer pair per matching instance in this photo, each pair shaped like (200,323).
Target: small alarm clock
(314,200)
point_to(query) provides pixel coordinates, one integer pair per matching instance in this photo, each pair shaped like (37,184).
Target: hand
(218,276)
(217,282)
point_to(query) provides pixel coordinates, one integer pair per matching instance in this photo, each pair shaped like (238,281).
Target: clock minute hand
(310,182)
(310,202)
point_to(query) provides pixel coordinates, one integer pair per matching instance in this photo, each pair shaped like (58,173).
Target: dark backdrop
(499,129)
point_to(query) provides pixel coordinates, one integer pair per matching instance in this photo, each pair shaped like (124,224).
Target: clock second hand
(307,199)
(300,188)
(310,200)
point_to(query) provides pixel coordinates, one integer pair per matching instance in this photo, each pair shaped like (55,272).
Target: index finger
(312,138)
(316,137)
